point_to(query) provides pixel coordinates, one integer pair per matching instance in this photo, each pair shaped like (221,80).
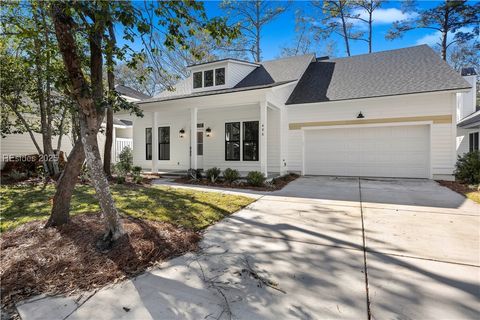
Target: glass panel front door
(200,149)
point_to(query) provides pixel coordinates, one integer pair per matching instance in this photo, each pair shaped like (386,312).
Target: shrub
(136,174)
(255,178)
(121,179)
(125,162)
(468,167)
(231,175)
(17,175)
(213,174)
(194,174)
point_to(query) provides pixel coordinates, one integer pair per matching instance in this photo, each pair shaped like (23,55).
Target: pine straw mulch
(470,191)
(36,261)
(276,184)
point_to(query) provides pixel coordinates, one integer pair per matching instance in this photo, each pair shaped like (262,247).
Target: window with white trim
(163,143)
(473,141)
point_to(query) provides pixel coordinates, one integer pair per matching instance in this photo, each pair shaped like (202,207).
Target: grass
(187,208)
(473,195)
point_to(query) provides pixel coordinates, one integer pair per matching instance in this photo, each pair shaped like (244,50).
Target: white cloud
(433,39)
(385,16)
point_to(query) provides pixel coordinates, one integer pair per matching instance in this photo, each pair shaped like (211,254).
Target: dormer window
(219,76)
(208,78)
(197,80)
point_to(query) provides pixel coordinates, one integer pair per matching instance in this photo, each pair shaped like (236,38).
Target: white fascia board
(375,98)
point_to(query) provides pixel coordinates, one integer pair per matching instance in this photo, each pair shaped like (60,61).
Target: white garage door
(397,151)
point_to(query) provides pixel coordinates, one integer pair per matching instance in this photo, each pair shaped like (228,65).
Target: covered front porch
(246,138)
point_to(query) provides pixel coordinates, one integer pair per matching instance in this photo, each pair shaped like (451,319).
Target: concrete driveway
(321,248)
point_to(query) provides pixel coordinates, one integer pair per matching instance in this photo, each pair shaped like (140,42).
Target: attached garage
(379,151)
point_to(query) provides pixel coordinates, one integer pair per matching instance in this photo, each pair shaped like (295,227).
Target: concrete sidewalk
(308,252)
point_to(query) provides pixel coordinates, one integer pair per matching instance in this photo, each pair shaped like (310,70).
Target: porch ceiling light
(360,115)
(182,133)
(208,131)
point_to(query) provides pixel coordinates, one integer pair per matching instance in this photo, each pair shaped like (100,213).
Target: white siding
(21,144)
(179,147)
(236,72)
(214,146)
(442,144)
(273,140)
(463,144)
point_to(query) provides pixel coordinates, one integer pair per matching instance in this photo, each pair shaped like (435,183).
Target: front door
(200,148)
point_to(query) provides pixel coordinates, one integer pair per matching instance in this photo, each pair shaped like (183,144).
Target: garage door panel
(399,151)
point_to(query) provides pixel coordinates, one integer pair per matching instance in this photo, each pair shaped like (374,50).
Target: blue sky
(281,31)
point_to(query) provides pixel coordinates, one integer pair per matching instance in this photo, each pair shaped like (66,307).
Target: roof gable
(279,70)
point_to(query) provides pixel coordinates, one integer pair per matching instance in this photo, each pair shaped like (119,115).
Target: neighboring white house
(468,115)
(385,114)
(21,144)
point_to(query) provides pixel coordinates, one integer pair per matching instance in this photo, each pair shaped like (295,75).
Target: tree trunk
(89,101)
(445,29)
(370,31)
(60,213)
(61,128)
(345,32)
(257,29)
(113,227)
(52,165)
(107,153)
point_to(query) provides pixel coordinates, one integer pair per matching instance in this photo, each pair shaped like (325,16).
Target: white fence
(121,143)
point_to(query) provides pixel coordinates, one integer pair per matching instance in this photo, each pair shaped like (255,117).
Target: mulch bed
(458,186)
(277,184)
(65,260)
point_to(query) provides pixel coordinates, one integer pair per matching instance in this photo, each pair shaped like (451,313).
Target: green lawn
(191,209)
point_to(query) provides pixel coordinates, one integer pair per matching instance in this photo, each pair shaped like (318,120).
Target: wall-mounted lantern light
(181,132)
(360,115)
(208,131)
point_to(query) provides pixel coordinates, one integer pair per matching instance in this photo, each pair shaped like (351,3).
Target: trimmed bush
(213,174)
(136,174)
(255,178)
(125,162)
(231,175)
(468,168)
(193,174)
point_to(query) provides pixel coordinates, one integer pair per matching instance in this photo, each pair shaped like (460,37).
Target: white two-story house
(385,114)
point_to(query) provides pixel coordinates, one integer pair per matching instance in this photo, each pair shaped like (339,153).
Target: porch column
(193,138)
(283,140)
(114,145)
(154,143)
(263,138)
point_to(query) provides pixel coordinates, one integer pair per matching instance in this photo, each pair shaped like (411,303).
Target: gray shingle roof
(403,71)
(279,70)
(211,92)
(122,122)
(470,120)
(130,92)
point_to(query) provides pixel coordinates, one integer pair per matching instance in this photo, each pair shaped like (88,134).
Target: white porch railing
(120,144)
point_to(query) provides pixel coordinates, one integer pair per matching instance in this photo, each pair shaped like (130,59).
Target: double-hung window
(250,141)
(208,78)
(148,143)
(163,143)
(473,141)
(232,141)
(219,76)
(197,80)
